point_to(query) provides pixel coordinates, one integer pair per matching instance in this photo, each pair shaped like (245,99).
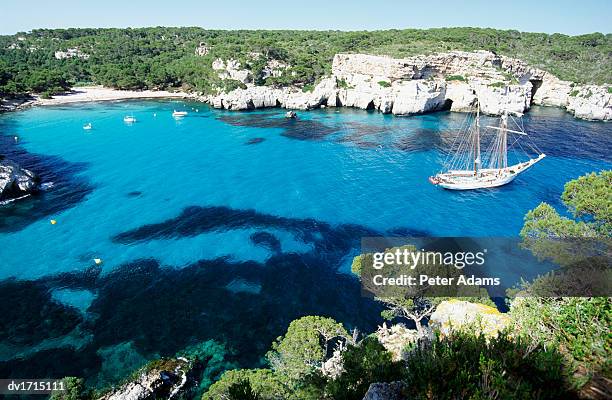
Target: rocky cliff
(15,181)
(423,84)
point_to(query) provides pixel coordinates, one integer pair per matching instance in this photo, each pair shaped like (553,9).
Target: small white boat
(128,119)
(179,114)
(87,126)
(468,168)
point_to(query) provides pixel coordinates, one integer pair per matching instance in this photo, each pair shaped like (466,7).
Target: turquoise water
(223,222)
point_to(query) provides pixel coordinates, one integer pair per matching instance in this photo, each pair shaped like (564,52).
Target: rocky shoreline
(86,94)
(16,182)
(421,84)
(407,86)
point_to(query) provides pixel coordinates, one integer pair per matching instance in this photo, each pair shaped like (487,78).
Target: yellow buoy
(98,261)
(53,222)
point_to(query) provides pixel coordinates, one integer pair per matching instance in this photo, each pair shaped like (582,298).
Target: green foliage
(365,363)
(578,326)
(308,88)
(574,93)
(384,84)
(590,197)
(75,390)
(415,303)
(242,391)
(158,57)
(263,384)
(307,343)
(471,367)
(456,78)
(566,241)
(342,84)
(497,84)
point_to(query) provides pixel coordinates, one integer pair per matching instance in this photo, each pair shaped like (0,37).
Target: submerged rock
(15,181)
(454,315)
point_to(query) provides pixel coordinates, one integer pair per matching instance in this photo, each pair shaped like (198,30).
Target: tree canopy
(160,57)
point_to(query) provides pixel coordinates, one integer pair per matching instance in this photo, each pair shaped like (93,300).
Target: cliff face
(422,84)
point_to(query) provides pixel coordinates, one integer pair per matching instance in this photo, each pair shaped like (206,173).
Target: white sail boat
(469,168)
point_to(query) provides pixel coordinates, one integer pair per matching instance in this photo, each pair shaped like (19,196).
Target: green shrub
(578,326)
(342,84)
(242,390)
(74,390)
(263,384)
(456,78)
(574,93)
(299,354)
(497,84)
(364,364)
(384,84)
(470,367)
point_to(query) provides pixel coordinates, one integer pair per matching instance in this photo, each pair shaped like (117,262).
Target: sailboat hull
(487,178)
(477,183)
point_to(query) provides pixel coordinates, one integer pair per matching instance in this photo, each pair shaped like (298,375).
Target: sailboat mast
(503,148)
(477,139)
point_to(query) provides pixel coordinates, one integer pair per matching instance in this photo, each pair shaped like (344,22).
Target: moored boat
(179,114)
(469,168)
(129,119)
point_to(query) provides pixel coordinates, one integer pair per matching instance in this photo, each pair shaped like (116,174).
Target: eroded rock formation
(421,84)
(164,379)
(457,315)
(15,181)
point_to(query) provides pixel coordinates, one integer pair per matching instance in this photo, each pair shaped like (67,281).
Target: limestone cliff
(423,84)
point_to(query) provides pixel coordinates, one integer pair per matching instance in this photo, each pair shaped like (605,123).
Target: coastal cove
(209,224)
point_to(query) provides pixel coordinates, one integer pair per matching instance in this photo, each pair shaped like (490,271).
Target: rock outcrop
(396,339)
(165,379)
(454,315)
(385,391)
(231,69)
(15,181)
(422,84)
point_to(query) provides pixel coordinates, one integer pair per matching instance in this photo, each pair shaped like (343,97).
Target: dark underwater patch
(162,310)
(134,194)
(266,240)
(52,363)
(301,129)
(420,140)
(255,140)
(29,315)
(69,188)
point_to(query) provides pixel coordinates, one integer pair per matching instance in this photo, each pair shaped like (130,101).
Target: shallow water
(227,226)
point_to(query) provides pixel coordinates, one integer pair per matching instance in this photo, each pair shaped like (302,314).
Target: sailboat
(470,168)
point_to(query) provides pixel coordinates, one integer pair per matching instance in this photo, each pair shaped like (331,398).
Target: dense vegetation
(165,57)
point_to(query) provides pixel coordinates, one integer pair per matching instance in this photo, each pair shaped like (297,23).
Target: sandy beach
(100,93)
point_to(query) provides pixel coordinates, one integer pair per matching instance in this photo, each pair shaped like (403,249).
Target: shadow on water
(68,189)
(160,310)
(301,129)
